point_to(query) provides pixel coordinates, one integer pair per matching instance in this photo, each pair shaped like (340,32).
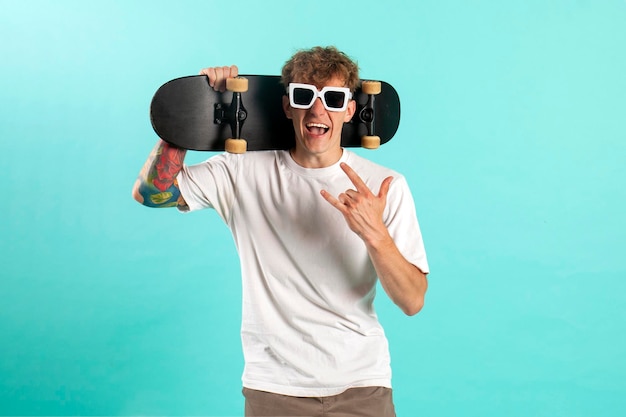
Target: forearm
(156,184)
(403,282)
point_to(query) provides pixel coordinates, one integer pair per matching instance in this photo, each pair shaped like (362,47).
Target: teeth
(323,126)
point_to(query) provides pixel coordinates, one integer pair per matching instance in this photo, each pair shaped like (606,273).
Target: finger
(219,79)
(352,194)
(210,73)
(384,187)
(332,200)
(228,73)
(231,71)
(204,71)
(354,177)
(345,199)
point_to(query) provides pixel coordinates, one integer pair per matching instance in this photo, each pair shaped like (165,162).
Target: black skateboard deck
(188,113)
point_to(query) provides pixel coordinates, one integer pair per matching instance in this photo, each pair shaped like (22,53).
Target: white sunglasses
(302,96)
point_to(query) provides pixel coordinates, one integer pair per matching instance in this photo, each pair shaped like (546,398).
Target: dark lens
(302,96)
(335,99)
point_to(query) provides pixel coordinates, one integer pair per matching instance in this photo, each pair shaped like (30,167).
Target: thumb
(384,187)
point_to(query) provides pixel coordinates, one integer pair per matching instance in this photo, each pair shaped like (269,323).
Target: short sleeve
(210,184)
(401,221)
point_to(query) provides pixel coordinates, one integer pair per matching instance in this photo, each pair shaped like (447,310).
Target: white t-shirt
(308,322)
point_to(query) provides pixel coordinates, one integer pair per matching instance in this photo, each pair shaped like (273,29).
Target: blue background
(512,138)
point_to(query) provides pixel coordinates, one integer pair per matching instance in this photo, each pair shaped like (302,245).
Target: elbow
(413,307)
(415,302)
(137,196)
(144,194)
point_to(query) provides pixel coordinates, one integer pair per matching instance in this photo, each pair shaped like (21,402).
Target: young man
(315,227)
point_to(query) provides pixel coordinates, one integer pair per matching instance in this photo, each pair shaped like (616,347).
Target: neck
(313,161)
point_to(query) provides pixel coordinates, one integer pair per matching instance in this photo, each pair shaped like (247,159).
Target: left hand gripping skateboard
(188,113)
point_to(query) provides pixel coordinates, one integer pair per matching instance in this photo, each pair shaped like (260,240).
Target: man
(315,227)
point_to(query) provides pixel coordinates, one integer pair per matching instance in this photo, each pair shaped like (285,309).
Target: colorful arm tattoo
(157,180)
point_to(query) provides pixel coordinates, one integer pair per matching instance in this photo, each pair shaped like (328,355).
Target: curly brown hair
(318,65)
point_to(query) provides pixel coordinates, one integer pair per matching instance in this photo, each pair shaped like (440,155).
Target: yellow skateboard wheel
(236,145)
(237,85)
(371,87)
(370,142)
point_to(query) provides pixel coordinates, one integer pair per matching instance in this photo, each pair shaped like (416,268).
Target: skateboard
(249,116)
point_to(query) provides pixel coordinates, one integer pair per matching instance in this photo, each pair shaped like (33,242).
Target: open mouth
(317,129)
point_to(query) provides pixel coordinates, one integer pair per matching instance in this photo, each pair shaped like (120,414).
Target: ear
(286,107)
(350,111)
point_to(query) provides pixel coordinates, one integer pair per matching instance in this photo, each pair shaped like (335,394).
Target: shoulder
(245,159)
(255,157)
(369,169)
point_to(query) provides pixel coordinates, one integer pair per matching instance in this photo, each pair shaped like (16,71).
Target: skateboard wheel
(237,85)
(236,145)
(371,87)
(370,142)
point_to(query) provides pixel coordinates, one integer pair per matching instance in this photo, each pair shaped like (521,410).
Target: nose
(318,106)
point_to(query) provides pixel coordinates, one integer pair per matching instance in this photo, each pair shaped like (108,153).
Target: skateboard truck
(234,114)
(366,114)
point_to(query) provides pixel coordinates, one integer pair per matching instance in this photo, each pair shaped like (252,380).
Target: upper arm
(156,185)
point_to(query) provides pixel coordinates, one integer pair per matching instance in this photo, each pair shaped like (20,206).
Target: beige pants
(355,402)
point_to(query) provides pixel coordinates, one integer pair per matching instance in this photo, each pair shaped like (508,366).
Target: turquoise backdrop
(512,139)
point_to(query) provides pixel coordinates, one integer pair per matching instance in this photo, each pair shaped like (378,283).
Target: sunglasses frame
(321,94)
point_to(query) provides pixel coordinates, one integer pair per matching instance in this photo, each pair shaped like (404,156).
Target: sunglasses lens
(302,96)
(335,99)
